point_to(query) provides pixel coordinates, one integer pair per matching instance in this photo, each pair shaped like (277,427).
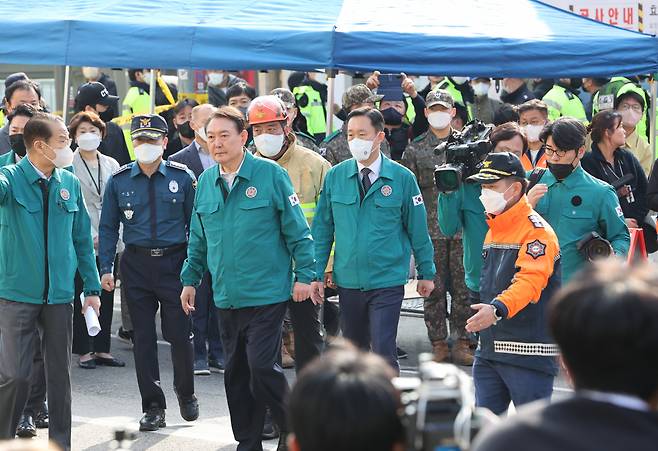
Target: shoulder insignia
(123,168)
(419,138)
(536,221)
(536,249)
(332,136)
(305,135)
(177,165)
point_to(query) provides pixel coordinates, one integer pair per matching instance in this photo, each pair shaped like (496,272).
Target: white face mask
(459,80)
(202,134)
(493,201)
(361,149)
(63,157)
(215,78)
(91,73)
(532,132)
(481,89)
(439,119)
(148,153)
(630,117)
(268,145)
(88,141)
(147,77)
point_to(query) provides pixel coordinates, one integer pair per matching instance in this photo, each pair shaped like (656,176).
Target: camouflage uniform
(419,157)
(336,149)
(307,141)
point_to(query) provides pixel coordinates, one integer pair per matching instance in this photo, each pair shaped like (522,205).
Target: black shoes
(127,336)
(153,419)
(104,361)
(41,418)
(270,430)
(189,408)
(26,427)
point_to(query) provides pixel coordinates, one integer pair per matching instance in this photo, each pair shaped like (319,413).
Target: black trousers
(253,377)
(307,330)
(36,401)
(18,322)
(82,342)
(330,314)
(153,283)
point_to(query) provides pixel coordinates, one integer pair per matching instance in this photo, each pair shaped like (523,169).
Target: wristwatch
(496,312)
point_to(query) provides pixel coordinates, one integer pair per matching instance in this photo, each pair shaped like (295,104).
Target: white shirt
(534,154)
(375,168)
(229,177)
(623,400)
(206,160)
(41,174)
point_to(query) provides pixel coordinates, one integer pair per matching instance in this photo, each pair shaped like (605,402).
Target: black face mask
(107,115)
(392,116)
(185,130)
(17,144)
(562,170)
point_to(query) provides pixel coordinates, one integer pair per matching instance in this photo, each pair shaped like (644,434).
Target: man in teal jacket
(374,209)
(247,229)
(45,236)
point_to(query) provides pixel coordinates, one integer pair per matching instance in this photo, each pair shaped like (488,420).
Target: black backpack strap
(535,177)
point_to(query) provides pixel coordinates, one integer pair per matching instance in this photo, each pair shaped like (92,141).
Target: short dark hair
(22,85)
(605,120)
(506,113)
(239,89)
(132,72)
(568,133)
(182,104)
(606,324)
(523,181)
(88,117)
(375,116)
(633,95)
(25,110)
(38,127)
(533,104)
(505,132)
(232,114)
(345,401)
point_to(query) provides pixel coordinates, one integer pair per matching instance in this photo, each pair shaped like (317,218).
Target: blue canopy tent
(518,38)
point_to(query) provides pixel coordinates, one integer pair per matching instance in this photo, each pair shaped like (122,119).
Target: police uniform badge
(536,249)
(64,194)
(386,190)
(173,186)
(144,122)
(128,214)
(251,192)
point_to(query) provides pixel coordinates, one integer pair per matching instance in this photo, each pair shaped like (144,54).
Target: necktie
(365,180)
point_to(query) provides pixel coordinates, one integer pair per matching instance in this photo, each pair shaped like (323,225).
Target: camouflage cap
(286,96)
(439,97)
(358,94)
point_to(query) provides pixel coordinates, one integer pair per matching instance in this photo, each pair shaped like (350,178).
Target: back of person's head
(345,401)
(606,324)
(506,113)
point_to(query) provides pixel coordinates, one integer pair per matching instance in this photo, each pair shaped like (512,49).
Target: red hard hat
(265,109)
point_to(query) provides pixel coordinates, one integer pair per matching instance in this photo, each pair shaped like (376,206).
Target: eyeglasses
(626,107)
(549,151)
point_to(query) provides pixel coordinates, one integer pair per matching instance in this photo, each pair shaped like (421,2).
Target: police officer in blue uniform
(153,200)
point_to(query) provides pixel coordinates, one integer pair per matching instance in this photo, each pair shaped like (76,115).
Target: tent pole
(652,118)
(331,78)
(65,102)
(152,90)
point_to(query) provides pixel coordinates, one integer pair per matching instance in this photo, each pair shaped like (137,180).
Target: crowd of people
(242,218)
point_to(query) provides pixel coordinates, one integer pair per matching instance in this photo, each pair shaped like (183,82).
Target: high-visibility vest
(561,102)
(2,118)
(313,111)
(606,97)
(456,95)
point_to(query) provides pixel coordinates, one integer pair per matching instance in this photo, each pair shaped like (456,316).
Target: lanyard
(96,185)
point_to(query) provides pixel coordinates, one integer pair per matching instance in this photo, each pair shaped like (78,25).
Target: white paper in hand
(93,326)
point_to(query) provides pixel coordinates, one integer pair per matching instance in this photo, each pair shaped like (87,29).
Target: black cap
(92,94)
(498,166)
(14,78)
(149,126)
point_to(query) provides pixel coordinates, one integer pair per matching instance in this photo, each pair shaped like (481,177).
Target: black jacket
(217,95)
(624,162)
(521,95)
(189,156)
(575,424)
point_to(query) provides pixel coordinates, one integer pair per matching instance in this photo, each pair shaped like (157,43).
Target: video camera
(439,408)
(464,153)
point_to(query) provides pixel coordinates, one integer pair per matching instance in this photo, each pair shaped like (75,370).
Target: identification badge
(64,194)
(386,190)
(173,186)
(251,192)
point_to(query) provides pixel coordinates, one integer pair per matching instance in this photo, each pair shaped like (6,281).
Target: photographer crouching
(515,359)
